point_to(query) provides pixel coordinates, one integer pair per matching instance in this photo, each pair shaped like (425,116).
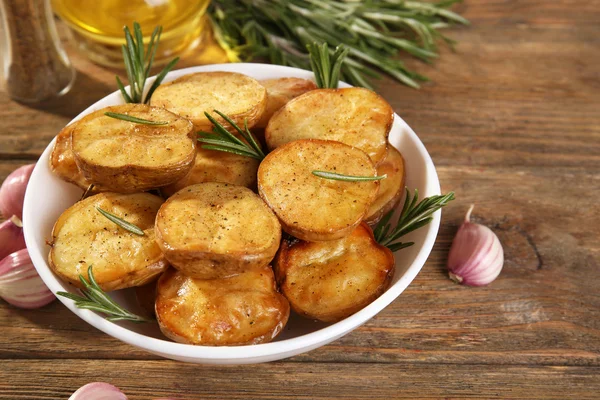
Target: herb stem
(348,178)
(133,119)
(121,222)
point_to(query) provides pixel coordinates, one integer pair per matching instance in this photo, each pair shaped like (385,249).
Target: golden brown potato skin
(82,237)
(330,281)
(355,116)
(62,161)
(217,166)
(391,188)
(279,92)
(244,309)
(309,207)
(237,96)
(216,230)
(127,157)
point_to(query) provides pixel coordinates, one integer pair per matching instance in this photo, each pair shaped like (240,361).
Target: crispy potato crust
(313,208)
(244,309)
(355,116)
(82,237)
(217,166)
(279,92)
(127,157)
(391,188)
(238,96)
(62,161)
(330,281)
(216,230)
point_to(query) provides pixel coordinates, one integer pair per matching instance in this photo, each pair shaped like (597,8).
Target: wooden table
(512,121)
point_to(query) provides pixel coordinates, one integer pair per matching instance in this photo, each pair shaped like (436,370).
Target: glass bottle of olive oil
(98,25)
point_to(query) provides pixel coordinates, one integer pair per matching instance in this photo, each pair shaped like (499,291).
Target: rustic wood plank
(151,379)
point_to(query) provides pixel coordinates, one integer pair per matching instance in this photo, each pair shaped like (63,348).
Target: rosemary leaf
(138,62)
(347,178)
(326,66)
(414,215)
(97,300)
(222,140)
(121,222)
(136,120)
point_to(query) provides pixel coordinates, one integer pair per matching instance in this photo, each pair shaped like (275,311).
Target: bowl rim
(286,347)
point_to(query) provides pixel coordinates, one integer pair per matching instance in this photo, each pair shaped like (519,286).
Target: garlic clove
(98,391)
(20,284)
(12,191)
(11,236)
(476,256)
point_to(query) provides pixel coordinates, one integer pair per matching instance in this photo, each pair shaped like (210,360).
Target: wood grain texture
(511,120)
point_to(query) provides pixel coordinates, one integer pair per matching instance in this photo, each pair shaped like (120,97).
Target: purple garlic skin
(476,256)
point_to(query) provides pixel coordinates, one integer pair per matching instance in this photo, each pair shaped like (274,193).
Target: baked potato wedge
(355,116)
(391,188)
(217,166)
(313,208)
(82,237)
(237,96)
(216,230)
(330,281)
(128,157)
(279,92)
(243,309)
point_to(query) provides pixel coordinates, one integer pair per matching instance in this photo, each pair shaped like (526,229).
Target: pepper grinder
(35,65)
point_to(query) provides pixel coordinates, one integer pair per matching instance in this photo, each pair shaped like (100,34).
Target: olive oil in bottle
(97,25)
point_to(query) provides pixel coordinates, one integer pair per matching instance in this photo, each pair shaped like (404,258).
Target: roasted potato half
(62,161)
(279,92)
(129,157)
(330,281)
(244,309)
(391,188)
(83,237)
(313,208)
(217,166)
(238,96)
(216,230)
(355,116)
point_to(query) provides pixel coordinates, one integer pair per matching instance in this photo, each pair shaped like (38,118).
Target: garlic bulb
(20,284)
(11,236)
(476,256)
(12,191)
(98,391)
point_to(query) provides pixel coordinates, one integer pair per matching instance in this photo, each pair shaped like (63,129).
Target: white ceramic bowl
(47,197)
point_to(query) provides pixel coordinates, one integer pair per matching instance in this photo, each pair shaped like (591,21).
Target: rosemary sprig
(348,178)
(138,62)
(121,222)
(326,66)
(412,217)
(94,298)
(133,119)
(222,140)
(375,33)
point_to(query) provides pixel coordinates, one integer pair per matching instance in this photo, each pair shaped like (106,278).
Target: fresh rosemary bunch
(412,217)
(326,66)
(222,140)
(136,120)
(94,298)
(375,32)
(138,62)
